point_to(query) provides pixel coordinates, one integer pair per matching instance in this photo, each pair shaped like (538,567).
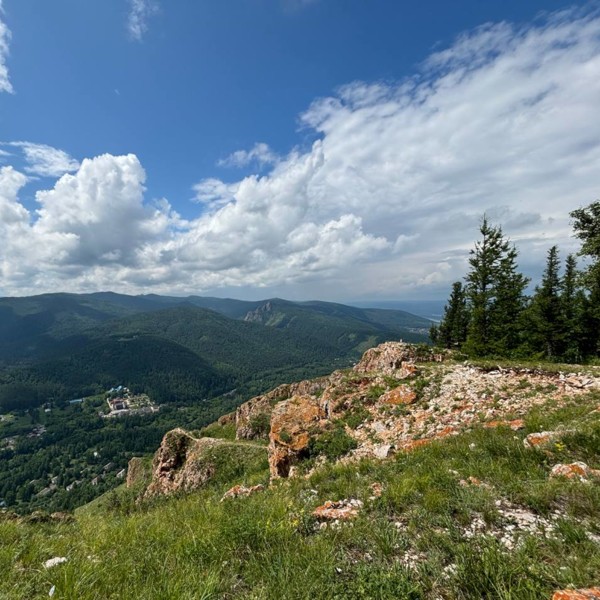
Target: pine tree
(452,330)
(547,310)
(587,228)
(573,302)
(508,306)
(494,293)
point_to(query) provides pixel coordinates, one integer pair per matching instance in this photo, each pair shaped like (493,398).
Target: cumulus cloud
(386,202)
(140,11)
(260,154)
(46,161)
(5,85)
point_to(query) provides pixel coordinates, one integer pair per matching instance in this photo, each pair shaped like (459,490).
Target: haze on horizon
(354,162)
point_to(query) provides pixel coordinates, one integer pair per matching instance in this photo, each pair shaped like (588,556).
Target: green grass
(407,544)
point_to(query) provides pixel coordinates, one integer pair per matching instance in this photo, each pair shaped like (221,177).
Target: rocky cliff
(398,397)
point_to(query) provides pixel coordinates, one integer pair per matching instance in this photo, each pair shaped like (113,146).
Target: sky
(339,150)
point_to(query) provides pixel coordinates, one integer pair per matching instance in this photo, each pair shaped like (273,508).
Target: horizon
(289,148)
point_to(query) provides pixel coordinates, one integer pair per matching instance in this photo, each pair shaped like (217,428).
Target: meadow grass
(408,543)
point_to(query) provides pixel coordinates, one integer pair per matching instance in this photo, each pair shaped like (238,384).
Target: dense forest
(194,361)
(490,315)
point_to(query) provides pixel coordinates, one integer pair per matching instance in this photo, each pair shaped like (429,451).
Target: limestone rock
(382,451)
(240,490)
(292,424)
(226,419)
(343,510)
(403,394)
(252,418)
(515,424)
(541,440)
(576,470)
(394,358)
(588,594)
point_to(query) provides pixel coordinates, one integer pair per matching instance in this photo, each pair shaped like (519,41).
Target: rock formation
(292,424)
(184,463)
(252,418)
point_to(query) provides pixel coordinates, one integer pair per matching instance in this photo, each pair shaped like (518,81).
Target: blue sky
(339,149)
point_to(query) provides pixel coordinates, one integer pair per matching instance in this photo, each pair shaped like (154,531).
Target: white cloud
(5,84)
(386,202)
(140,11)
(46,161)
(260,154)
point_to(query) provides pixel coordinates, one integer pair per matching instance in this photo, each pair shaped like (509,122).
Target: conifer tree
(494,293)
(547,310)
(587,228)
(452,330)
(572,301)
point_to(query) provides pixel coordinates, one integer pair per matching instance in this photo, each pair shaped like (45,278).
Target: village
(121,402)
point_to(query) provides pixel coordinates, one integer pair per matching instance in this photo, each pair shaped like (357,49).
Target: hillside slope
(490,488)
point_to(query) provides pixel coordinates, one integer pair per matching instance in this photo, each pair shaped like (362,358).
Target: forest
(489,314)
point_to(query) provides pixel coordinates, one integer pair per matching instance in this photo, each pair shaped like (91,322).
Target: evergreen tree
(547,310)
(452,330)
(508,306)
(573,302)
(494,293)
(587,228)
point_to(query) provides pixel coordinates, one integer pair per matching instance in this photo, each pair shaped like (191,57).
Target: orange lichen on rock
(292,423)
(240,490)
(541,440)
(576,470)
(343,510)
(403,394)
(515,424)
(588,594)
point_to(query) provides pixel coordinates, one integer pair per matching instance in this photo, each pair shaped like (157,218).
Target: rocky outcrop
(184,462)
(293,422)
(395,359)
(259,315)
(227,419)
(175,467)
(252,419)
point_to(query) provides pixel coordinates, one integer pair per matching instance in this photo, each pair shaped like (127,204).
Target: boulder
(292,424)
(342,510)
(576,470)
(541,440)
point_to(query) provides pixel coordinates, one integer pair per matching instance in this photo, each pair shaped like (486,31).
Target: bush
(332,444)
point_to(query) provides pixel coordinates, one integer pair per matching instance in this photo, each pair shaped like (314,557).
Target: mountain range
(180,350)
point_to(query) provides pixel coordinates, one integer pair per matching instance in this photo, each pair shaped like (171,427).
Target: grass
(408,544)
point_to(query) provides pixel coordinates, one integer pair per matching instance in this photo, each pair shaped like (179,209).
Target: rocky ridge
(396,398)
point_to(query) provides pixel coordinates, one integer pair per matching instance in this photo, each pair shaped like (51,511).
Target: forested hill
(66,345)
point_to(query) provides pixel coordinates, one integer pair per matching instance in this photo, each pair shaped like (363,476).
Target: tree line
(489,313)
